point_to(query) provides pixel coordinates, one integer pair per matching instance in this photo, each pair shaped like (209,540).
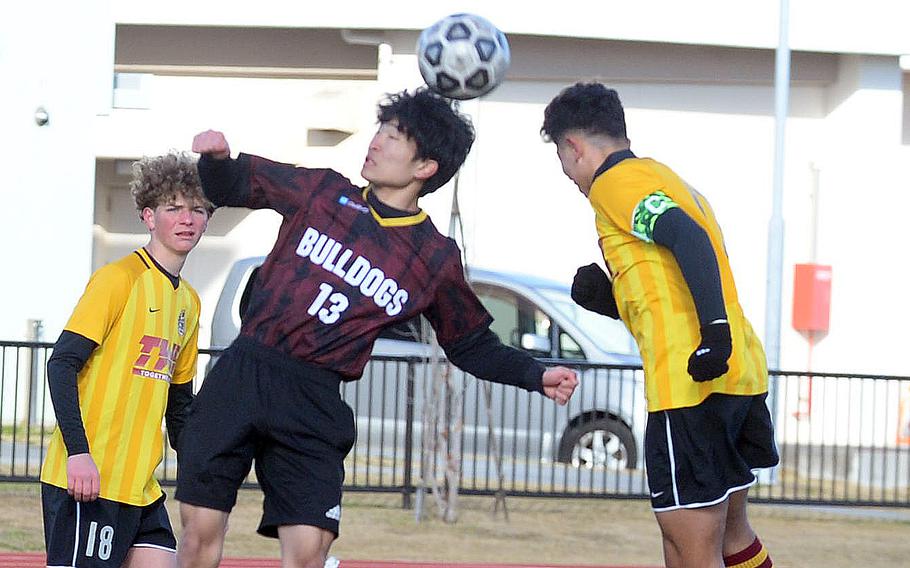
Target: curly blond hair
(158,180)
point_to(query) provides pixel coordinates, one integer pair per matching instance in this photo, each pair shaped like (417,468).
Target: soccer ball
(462,56)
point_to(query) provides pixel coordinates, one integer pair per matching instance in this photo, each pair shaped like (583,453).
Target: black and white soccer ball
(463,56)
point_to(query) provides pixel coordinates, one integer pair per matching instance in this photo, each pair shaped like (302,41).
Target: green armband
(645,214)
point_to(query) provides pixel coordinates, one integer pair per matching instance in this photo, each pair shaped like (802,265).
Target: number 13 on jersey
(328,304)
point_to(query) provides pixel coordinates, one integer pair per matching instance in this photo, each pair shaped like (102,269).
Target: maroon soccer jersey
(339,273)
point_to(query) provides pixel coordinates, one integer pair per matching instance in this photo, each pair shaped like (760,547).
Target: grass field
(539,531)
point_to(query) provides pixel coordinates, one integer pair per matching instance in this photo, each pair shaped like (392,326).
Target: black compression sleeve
(179,398)
(225,182)
(70,354)
(692,248)
(485,357)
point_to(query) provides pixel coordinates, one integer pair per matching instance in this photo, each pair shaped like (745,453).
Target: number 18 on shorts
(100,532)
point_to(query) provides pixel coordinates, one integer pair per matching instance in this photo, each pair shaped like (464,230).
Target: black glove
(592,290)
(709,360)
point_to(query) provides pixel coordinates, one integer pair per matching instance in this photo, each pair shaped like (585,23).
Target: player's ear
(148,217)
(426,169)
(575,146)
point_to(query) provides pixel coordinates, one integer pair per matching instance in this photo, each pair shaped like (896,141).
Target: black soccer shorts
(288,415)
(100,532)
(697,456)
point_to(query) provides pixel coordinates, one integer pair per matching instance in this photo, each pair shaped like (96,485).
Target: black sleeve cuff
(70,355)
(225,182)
(179,399)
(691,247)
(484,356)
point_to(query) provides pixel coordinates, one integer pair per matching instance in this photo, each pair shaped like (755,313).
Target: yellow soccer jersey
(146,331)
(652,296)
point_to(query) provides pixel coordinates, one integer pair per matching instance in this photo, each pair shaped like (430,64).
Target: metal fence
(843,439)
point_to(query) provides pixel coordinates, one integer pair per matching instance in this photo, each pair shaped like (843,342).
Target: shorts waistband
(281,359)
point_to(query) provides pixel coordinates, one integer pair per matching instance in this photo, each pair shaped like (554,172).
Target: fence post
(34,332)
(408,486)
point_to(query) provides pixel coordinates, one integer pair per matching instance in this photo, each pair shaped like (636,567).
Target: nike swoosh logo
(151,311)
(656,495)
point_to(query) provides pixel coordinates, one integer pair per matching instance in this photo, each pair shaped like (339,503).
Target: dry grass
(558,531)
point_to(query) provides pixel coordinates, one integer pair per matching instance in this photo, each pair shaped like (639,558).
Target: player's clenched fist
(212,143)
(559,383)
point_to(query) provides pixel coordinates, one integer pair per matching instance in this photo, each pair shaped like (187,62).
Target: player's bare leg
(738,533)
(741,545)
(202,541)
(693,538)
(304,546)
(147,557)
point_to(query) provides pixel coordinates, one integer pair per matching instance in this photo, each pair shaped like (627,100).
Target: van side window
(569,348)
(513,316)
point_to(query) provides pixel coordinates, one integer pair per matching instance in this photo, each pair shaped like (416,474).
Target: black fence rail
(843,439)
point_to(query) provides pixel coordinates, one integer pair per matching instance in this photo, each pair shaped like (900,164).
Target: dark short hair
(589,107)
(440,132)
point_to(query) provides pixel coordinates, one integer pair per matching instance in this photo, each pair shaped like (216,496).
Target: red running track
(36,560)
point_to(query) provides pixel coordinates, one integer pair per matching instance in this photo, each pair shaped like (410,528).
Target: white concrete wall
(872,26)
(59,59)
(864,177)
(691,111)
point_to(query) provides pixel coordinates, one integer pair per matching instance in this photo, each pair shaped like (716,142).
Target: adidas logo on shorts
(334,513)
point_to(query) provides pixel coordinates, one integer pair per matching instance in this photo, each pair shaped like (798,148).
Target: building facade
(91,87)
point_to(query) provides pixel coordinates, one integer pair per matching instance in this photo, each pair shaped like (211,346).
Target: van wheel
(601,443)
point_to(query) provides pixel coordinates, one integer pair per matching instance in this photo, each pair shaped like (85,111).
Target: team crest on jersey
(181,323)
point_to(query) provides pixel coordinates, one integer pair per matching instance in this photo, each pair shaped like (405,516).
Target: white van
(603,425)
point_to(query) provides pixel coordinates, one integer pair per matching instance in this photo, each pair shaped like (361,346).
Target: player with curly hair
(125,360)
(668,278)
(348,262)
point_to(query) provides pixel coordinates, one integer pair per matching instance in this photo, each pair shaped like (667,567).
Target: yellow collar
(408,220)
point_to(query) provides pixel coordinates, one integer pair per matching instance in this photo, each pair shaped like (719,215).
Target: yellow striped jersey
(652,296)
(146,331)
